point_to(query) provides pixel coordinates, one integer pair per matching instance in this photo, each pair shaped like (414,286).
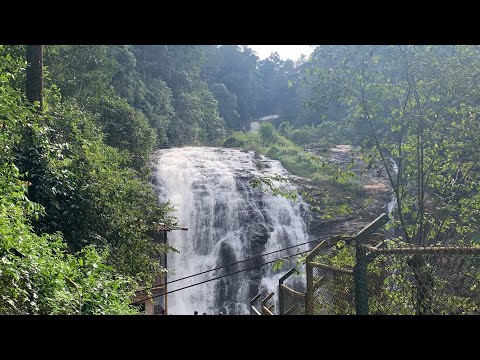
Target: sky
(285,52)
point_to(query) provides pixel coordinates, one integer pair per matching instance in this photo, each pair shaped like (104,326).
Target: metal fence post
(309,302)
(361,262)
(309,308)
(253,310)
(266,310)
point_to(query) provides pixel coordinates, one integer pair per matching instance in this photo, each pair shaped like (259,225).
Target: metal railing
(358,278)
(404,279)
(291,302)
(253,309)
(267,309)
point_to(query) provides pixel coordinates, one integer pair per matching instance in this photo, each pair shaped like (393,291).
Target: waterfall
(228,221)
(254,126)
(393,203)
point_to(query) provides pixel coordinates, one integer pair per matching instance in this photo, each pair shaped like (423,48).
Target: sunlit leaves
(420,103)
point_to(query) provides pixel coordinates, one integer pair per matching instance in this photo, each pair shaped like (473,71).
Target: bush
(39,276)
(250,141)
(268,134)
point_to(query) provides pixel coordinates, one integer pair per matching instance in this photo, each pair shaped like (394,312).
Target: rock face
(375,184)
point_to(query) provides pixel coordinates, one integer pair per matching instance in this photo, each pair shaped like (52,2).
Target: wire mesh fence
(424,281)
(260,306)
(354,277)
(367,274)
(330,289)
(291,299)
(333,290)
(406,280)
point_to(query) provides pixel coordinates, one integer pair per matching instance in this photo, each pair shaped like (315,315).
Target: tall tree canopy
(417,105)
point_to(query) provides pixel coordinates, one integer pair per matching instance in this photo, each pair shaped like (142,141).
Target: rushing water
(393,203)
(228,220)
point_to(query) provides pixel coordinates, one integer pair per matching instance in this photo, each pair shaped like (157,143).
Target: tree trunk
(34,83)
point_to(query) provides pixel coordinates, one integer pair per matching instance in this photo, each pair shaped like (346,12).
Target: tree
(236,68)
(38,274)
(419,104)
(34,80)
(227,105)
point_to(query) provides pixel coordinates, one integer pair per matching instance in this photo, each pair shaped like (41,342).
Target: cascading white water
(393,203)
(228,221)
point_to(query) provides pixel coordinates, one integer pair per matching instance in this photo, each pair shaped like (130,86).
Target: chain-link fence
(330,289)
(405,280)
(424,280)
(358,278)
(366,274)
(291,301)
(333,293)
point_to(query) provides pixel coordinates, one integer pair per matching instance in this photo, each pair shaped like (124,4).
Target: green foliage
(278,264)
(274,185)
(344,256)
(77,210)
(38,275)
(125,129)
(250,141)
(80,71)
(417,104)
(394,286)
(268,134)
(199,122)
(87,189)
(236,68)
(337,185)
(120,83)
(285,128)
(227,105)
(328,133)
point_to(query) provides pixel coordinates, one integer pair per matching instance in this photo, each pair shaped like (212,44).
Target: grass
(294,158)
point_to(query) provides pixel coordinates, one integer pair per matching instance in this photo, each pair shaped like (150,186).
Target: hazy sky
(285,51)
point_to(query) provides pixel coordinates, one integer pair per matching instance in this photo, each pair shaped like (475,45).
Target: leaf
(277,265)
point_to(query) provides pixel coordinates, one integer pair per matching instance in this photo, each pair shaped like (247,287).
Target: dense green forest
(72,241)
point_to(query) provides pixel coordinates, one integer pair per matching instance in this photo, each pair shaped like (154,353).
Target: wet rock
(226,256)
(375,183)
(219,215)
(259,165)
(284,217)
(230,142)
(198,185)
(259,236)
(223,310)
